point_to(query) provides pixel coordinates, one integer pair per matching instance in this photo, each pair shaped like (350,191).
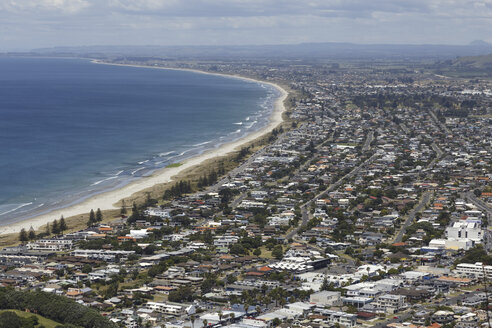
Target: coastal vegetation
(53,307)
(174,165)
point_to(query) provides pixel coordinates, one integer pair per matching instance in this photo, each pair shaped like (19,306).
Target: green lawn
(265,253)
(42,320)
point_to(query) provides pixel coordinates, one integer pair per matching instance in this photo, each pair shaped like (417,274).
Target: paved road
(306,205)
(367,143)
(439,123)
(335,185)
(479,203)
(404,128)
(438,152)
(305,219)
(488,239)
(411,216)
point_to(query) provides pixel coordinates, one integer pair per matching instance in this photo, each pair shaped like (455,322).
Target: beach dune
(108,200)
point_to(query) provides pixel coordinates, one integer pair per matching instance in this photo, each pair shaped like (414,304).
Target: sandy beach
(107,200)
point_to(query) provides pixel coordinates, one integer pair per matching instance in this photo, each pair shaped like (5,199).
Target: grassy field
(265,253)
(47,323)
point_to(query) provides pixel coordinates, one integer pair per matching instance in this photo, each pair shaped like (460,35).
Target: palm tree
(205,322)
(246,307)
(192,319)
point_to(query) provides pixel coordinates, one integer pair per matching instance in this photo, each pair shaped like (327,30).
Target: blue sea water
(70,128)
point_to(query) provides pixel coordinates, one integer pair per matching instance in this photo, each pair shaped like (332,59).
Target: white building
(165,308)
(326,298)
(342,318)
(466,229)
(473,270)
(138,234)
(156,211)
(54,245)
(390,303)
(105,255)
(454,244)
(278,221)
(225,241)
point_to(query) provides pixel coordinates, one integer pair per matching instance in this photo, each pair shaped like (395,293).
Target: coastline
(108,200)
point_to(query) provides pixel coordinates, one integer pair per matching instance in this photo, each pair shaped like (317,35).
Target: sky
(28,24)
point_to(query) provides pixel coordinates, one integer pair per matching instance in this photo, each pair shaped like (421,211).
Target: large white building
(225,241)
(54,245)
(473,270)
(326,298)
(465,229)
(390,303)
(156,211)
(165,308)
(105,255)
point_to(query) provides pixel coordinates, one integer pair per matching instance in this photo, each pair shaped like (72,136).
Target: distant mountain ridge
(304,50)
(480,43)
(483,62)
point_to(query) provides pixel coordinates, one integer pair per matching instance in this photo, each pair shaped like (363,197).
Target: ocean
(70,128)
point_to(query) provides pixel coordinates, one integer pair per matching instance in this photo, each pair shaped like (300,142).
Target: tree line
(56,228)
(54,307)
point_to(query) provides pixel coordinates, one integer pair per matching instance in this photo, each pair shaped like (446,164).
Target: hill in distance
(287,51)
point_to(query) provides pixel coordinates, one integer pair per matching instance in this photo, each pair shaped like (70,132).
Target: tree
(92,218)
(276,322)
(112,290)
(48,230)
(257,252)
(63,225)
(55,228)
(123,207)
(99,215)
(9,319)
(23,237)
(86,268)
(278,252)
(230,279)
(31,234)
(135,214)
(183,294)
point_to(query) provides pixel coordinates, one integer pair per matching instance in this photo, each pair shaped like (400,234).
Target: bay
(70,128)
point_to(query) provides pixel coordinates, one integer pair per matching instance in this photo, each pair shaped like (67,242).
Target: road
(367,143)
(478,203)
(305,206)
(439,123)
(411,216)
(404,128)
(438,152)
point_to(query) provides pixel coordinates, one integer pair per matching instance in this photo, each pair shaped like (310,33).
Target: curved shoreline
(107,200)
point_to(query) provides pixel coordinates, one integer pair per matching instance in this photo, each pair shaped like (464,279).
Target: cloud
(59,22)
(33,6)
